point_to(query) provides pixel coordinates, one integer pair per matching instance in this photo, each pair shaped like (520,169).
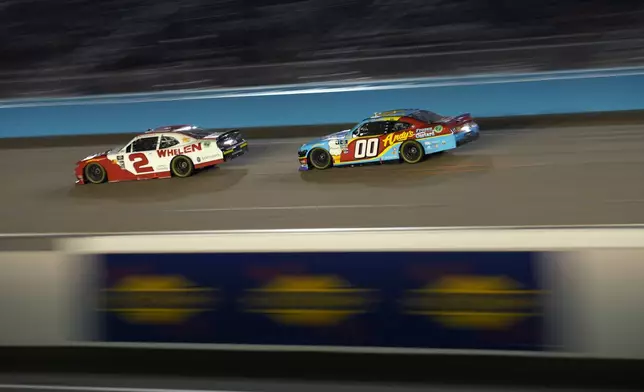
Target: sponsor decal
(394,138)
(170,152)
(210,157)
(345,145)
(334,147)
(120,159)
(424,132)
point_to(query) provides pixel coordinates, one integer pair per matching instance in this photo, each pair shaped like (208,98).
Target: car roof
(388,115)
(170,129)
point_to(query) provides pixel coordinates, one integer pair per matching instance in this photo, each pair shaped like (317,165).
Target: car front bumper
(303,159)
(304,164)
(78,174)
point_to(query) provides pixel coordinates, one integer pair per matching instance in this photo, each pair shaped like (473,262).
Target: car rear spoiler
(220,135)
(458,120)
(462,118)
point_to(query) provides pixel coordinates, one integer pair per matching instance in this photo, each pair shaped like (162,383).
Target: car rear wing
(228,138)
(460,119)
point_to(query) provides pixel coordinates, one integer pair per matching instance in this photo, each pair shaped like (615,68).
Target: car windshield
(358,125)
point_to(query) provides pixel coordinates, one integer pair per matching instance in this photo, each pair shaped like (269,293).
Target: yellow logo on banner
(308,300)
(157,299)
(483,302)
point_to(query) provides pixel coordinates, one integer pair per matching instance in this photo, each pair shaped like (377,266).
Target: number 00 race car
(398,135)
(176,150)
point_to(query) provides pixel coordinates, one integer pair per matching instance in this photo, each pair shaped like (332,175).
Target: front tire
(320,158)
(182,167)
(411,151)
(95,173)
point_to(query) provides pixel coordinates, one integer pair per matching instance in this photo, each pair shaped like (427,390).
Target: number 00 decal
(367,148)
(140,163)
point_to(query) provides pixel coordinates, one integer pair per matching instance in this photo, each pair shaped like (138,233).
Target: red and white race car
(176,150)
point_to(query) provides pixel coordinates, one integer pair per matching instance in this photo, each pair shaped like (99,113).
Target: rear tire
(182,167)
(95,173)
(411,151)
(320,158)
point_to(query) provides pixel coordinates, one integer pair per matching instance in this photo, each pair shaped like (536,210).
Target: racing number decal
(367,148)
(140,162)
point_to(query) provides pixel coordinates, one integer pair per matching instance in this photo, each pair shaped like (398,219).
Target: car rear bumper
(467,138)
(467,134)
(237,151)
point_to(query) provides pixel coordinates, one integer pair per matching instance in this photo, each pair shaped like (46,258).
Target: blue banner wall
(457,300)
(581,91)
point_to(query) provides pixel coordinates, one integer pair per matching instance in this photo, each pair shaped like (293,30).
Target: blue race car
(397,135)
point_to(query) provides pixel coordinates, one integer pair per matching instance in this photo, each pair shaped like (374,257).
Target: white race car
(176,150)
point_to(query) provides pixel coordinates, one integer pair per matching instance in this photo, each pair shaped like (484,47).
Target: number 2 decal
(367,148)
(140,162)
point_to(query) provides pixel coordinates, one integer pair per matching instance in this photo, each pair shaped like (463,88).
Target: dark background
(56,47)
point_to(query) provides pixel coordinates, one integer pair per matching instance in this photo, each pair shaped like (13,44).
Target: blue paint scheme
(329,103)
(383,299)
(431,145)
(323,143)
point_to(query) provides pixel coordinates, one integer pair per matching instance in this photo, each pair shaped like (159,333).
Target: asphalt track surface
(541,176)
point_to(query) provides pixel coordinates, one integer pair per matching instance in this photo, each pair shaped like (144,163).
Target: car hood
(336,135)
(96,155)
(331,136)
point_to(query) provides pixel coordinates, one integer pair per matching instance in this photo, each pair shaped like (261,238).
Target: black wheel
(411,151)
(95,173)
(320,158)
(182,166)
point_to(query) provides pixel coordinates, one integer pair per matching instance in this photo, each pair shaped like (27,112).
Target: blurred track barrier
(485,96)
(33,302)
(561,291)
(457,300)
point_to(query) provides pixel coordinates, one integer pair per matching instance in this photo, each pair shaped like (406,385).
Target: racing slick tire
(411,151)
(320,158)
(95,173)
(182,166)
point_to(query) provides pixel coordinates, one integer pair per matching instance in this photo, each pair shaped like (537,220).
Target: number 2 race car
(176,150)
(398,135)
